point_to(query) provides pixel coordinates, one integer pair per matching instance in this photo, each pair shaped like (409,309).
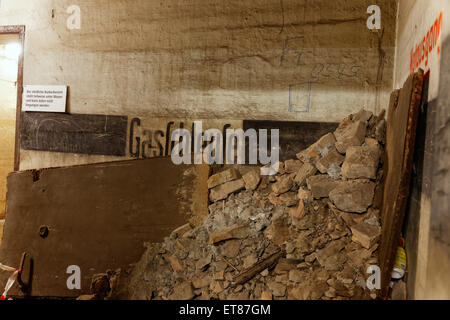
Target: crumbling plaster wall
(428,258)
(265,59)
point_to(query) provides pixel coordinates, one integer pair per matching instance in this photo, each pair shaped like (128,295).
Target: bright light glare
(13,50)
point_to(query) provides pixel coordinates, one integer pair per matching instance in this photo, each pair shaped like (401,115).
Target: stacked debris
(308,232)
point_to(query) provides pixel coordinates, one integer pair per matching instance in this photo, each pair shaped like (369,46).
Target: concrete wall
(425,24)
(8,95)
(294,60)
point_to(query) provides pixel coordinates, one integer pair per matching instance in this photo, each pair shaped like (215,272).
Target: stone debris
(224,190)
(107,286)
(363,116)
(252,179)
(100,285)
(283,185)
(305,171)
(349,133)
(321,185)
(299,211)
(305,195)
(180,231)
(361,162)
(292,166)
(87,297)
(353,195)
(319,149)
(365,234)
(332,160)
(266,295)
(289,199)
(175,263)
(222,177)
(183,291)
(235,231)
(306,233)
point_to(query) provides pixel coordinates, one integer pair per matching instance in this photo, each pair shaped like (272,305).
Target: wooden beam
(400,142)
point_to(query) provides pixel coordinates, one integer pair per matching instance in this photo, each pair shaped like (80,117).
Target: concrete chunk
(353,196)
(361,162)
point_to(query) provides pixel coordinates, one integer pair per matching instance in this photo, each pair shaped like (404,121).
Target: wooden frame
(19,30)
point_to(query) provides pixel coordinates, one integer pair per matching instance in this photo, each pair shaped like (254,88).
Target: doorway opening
(11,84)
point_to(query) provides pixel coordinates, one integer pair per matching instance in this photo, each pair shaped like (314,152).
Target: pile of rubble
(308,232)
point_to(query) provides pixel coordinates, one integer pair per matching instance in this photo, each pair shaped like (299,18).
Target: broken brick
(252,179)
(350,134)
(221,192)
(318,149)
(182,291)
(235,231)
(175,263)
(283,185)
(201,282)
(363,116)
(361,162)
(223,177)
(274,199)
(292,165)
(321,185)
(305,195)
(180,231)
(289,199)
(353,196)
(333,157)
(365,234)
(305,171)
(266,295)
(299,211)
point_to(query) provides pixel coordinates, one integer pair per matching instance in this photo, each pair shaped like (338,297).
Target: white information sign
(44,98)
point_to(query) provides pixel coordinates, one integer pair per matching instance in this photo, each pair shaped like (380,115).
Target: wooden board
(400,141)
(98,216)
(74,133)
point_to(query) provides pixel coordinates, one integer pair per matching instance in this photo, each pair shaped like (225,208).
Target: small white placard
(44,98)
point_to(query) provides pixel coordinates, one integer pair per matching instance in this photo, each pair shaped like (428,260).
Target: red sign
(429,42)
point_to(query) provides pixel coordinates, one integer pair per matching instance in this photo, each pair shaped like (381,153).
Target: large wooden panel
(400,141)
(98,216)
(74,133)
